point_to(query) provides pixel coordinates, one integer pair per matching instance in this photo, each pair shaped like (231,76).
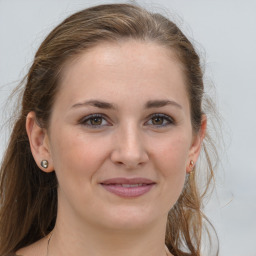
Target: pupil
(96,121)
(158,120)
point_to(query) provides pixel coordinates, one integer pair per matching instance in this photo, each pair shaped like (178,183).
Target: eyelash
(167,120)
(86,119)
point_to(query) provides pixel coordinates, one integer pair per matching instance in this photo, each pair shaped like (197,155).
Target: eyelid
(170,120)
(84,119)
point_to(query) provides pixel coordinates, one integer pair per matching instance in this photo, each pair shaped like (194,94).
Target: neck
(83,239)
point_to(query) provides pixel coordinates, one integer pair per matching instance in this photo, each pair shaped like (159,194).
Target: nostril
(130,155)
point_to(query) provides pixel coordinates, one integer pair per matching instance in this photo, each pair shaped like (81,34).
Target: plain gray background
(224,31)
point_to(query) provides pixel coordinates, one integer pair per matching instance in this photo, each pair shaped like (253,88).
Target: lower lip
(128,191)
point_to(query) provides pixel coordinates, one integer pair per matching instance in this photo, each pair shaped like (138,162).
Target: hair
(28,196)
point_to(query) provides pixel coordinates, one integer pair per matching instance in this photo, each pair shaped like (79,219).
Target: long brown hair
(28,195)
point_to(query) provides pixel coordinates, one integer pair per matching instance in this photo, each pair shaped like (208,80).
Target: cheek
(170,158)
(172,154)
(76,157)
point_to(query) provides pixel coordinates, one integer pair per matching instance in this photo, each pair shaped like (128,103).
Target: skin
(127,141)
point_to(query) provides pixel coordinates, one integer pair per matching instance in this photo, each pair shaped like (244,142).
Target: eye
(160,120)
(94,121)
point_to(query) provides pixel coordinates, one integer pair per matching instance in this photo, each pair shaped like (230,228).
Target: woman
(102,157)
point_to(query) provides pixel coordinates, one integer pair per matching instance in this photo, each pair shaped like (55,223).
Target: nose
(129,148)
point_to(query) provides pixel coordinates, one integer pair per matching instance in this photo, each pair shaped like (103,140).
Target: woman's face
(120,137)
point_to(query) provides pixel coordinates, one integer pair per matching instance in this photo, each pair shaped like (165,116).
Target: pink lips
(128,187)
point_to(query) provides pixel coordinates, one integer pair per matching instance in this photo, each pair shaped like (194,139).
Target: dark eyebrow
(95,103)
(161,103)
(107,105)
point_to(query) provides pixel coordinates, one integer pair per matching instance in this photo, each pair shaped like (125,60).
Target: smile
(124,187)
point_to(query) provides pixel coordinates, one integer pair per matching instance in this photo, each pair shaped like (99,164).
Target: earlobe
(39,143)
(196,145)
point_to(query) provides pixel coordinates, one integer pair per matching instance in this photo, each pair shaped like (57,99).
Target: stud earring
(44,164)
(191,167)
(191,164)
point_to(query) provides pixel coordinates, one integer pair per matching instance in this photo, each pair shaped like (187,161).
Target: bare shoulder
(36,249)
(167,252)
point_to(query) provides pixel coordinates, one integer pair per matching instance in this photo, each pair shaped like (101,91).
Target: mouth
(128,188)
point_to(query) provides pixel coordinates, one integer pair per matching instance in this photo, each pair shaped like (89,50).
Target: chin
(129,219)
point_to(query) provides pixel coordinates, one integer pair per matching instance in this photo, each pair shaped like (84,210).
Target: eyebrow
(95,103)
(107,105)
(161,103)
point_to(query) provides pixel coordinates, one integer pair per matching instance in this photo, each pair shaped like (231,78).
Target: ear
(39,142)
(196,145)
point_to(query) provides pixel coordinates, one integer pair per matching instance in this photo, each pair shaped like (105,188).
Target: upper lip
(137,180)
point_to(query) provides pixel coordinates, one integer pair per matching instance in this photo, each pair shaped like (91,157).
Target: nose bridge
(129,146)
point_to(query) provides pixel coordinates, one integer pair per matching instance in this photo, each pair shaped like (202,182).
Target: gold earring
(191,167)
(191,164)
(44,164)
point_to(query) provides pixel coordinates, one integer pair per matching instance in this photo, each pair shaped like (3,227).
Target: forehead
(123,67)
(108,53)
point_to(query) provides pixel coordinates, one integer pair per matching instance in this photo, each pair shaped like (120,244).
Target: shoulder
(167,251)
(36,249)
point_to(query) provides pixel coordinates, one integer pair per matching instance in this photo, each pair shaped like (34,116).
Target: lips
(128,187)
